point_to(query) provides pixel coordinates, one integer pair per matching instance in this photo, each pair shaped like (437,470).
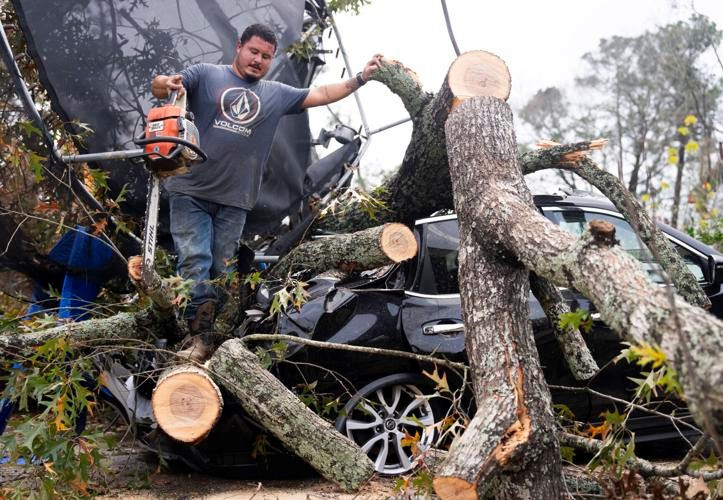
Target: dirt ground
(136,475)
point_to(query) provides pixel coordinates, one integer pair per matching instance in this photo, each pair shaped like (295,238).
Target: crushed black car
(415,307)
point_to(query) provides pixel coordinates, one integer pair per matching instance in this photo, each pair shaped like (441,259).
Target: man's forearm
(335,91)
(331,93)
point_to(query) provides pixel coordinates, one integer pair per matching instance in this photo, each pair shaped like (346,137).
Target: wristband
(360,79)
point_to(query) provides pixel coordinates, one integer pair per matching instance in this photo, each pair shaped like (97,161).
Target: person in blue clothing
(236,113)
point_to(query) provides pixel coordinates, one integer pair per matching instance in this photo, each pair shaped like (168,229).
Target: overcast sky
(541,41)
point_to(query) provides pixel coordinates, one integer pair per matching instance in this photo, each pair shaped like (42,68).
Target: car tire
(383,413)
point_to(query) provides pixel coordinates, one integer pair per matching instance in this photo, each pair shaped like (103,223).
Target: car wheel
(383,413)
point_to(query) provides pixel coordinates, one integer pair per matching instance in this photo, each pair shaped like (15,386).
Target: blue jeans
(206,236)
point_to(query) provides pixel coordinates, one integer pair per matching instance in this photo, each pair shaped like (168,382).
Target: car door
(431,312)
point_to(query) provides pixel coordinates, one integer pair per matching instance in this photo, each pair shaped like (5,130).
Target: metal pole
(108,155)
(349,71)
(449,27)
(393,124)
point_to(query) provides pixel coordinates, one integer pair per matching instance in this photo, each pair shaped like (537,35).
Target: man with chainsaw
(236,113)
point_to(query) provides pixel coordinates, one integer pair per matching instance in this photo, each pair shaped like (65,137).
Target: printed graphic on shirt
(239,106)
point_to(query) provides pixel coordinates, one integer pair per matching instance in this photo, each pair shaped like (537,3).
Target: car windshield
(576,221)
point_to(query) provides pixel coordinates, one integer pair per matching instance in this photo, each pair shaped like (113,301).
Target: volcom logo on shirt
(240,106)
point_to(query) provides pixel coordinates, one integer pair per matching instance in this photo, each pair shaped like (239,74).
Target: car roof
(594,201)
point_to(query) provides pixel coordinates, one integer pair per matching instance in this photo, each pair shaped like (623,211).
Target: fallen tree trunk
(513,427)
(637,310)
(572,157)
(145,325)
(279,411)
(366,249)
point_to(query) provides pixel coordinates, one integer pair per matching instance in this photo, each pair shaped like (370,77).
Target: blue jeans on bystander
(206,236)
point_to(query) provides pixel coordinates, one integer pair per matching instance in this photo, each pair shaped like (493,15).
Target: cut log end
(135,265)
(603,232)
(186,404)
(479,73)
(398,242)
(454,487)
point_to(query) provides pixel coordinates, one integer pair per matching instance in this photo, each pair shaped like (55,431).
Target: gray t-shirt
(236,121)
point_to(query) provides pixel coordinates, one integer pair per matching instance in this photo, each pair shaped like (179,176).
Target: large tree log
(637,310)
(514,425)
(366,249)
(279,411)
(572,157)
(145,325)
(422,184)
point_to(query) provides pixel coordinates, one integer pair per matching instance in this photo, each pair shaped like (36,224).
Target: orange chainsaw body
(170,158)
(162,121)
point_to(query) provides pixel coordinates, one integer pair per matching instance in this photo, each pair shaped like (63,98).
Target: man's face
(253,58)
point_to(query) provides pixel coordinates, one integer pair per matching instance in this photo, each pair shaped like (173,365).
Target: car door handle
(443,328)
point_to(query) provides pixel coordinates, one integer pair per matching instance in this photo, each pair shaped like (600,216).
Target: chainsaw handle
(175,140)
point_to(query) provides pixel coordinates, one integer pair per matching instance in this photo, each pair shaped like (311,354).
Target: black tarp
(96,58)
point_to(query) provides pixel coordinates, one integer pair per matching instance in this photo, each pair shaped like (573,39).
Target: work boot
(205,316)
(198,348)
(198,344)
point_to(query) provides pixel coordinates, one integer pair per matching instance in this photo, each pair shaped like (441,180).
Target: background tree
(638,92)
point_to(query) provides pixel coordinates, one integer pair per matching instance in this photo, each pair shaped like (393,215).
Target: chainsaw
(170,146)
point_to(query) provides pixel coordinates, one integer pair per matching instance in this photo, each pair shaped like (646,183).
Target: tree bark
(569,157)
(513,429)
(637,310)
(574,349)
(279,411)
(366,249)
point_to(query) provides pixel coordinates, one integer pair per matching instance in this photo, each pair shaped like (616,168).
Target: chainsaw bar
(151,229)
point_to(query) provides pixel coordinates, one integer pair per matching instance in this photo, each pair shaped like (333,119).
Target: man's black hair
(262,31)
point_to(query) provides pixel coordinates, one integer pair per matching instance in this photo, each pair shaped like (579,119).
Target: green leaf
(99,177)
(613,418)
(579,319)
(35,162)
(29,128)
(563,411)
(567,453)
(253,279)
